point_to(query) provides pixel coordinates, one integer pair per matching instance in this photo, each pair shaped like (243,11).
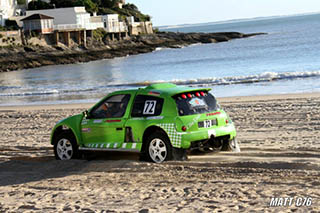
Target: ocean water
(286,60)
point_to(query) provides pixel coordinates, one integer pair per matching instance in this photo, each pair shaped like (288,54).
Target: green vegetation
(111,7)
(99,34)
(132,10)
(39,5)
(156,30)
(90,5)
(21,2)
(9,25)
(100,6)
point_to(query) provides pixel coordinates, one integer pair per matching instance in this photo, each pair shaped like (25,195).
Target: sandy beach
(280,157)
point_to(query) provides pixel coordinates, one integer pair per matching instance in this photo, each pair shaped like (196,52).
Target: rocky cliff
(24,57)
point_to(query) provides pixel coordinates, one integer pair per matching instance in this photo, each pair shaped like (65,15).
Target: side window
(113,107)
(145,106)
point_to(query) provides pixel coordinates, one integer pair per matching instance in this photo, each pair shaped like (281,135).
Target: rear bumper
(204,134)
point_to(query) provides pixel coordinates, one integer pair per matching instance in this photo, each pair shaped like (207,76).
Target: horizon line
(234,20)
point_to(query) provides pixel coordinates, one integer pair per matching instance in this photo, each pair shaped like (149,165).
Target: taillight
(184,128)
(183,96)
(189,95)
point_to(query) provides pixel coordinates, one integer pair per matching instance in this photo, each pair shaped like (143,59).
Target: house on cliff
(112,25)
(38,23)
(75,24)
(70,25)
(69,18)
(137,28)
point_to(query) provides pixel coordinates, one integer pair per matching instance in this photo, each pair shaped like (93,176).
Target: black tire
(158,148)
(66,147)
(231,145)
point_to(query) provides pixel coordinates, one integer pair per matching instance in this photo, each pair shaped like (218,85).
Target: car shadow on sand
(24,169)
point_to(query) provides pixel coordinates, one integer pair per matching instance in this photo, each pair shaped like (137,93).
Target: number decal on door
(149,107)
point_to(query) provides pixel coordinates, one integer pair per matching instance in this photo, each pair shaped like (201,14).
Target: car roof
(159,89)
(169,89)
(162,89)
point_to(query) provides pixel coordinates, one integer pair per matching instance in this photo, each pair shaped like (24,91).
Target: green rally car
(161,121)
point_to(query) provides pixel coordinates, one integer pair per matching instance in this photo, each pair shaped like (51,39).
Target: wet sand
(279,137)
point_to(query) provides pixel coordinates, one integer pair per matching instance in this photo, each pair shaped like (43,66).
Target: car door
(145,109)
(104,127)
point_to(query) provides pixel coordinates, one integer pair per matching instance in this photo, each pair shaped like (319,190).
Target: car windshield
(191,103)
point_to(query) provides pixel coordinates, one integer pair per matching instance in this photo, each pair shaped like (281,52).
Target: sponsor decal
(99,121)
(134,145)
(154,93)
(197,102)
(214,113)
(138,119)
(86,130)
(155,118)
(194,120)
(84,122)
(290,201)
(113,121)
(112,145)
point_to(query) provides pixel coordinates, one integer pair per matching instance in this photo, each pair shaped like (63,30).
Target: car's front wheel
(65,147)
(158,148)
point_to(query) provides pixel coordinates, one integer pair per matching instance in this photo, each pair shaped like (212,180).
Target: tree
(88,4)
(21,2)
(130,7)
(39,5)
(109,3)
(63,3)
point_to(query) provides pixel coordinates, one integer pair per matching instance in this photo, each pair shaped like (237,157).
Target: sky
(174,12)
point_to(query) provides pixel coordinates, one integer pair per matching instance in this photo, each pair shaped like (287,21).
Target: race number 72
(149,107)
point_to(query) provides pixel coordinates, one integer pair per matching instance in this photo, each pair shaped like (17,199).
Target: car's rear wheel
(158,148)
(231,145)
(66,147)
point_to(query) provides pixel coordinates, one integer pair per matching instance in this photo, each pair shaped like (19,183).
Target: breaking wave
(264,77)
(33,93)
(205,82)
(46,92)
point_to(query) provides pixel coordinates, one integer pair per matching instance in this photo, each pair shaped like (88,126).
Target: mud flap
(235,145)
(179,154)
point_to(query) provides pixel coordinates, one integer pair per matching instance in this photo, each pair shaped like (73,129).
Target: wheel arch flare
(59,129)
(71,124)
(169,129)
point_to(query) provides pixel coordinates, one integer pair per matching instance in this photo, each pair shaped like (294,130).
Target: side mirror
(86,114)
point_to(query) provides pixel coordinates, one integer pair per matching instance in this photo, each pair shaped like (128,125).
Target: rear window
(146,106)
(195,103)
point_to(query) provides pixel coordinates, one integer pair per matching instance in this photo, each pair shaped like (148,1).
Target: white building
(136,28)
(69,18)
(8,8)
(112,24)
